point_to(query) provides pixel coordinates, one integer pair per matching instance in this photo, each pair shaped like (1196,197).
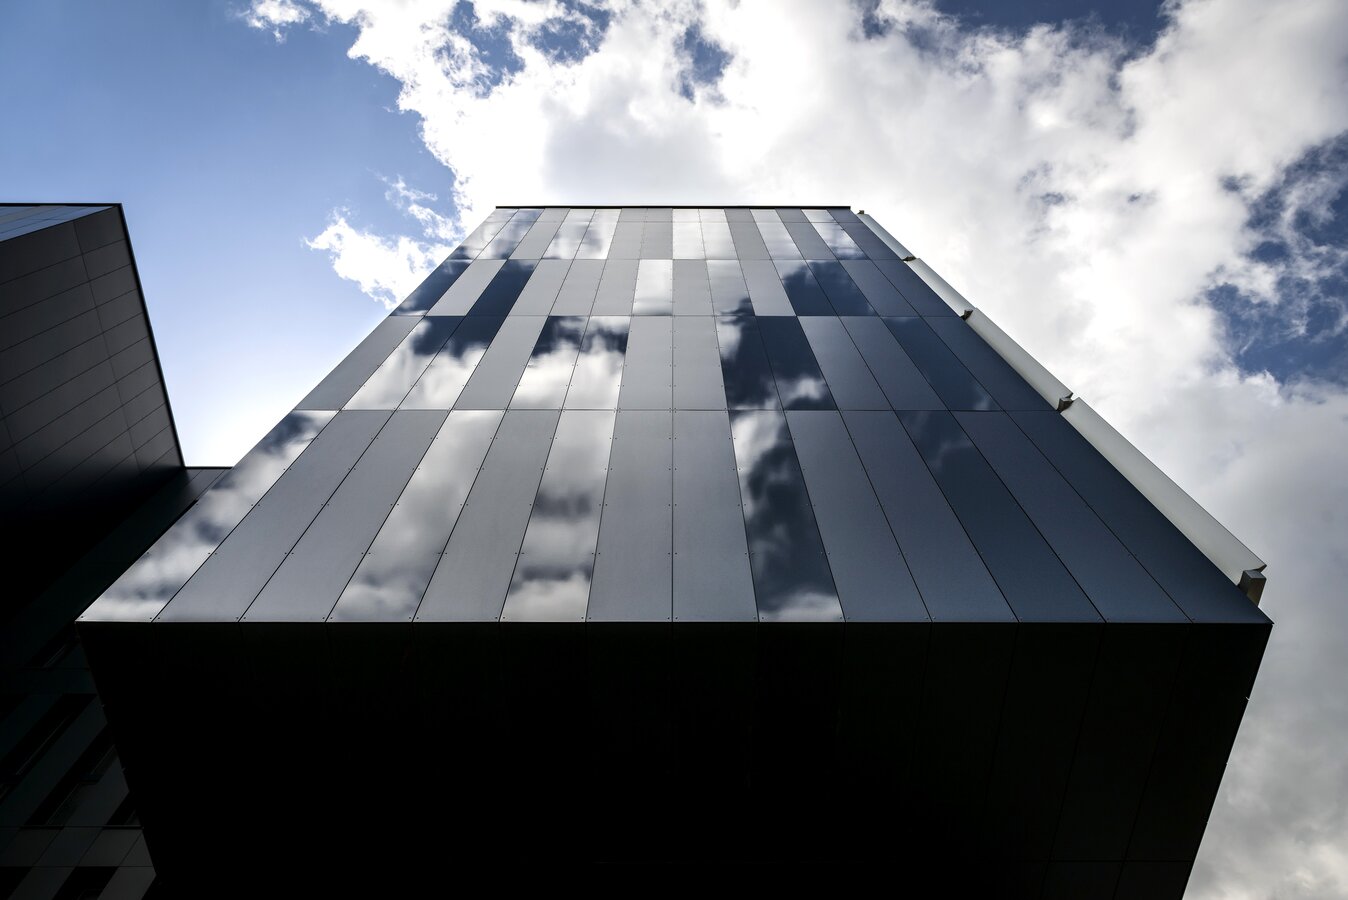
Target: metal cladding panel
(869,571)
(539,294)
(231,578)
(392,576)
(712,579)
(726,504)
(306,586)
(633,568)
(474,573)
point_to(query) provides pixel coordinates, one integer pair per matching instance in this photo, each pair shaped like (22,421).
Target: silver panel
(692,290)
(712,579)
(231,578)
(306,586)
(343,381)
(617,288)
(551,582)
(655,288)
(391,578)
(473,575)
(646,382)
(697,365)
(765,288)
(542,288)
(499,371)
(596,379)
(633,568)
(578,289)
(463,293)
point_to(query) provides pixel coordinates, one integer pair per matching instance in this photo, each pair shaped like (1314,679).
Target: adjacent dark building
(683,535)
(90,475)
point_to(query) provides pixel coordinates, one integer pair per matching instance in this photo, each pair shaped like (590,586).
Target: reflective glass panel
(443,380)
(548,374)
(806,297)
(551,582)
(389,384)
(800,384)
(744,364)
(843,294)
(597,377)
(392,576)
(792,581)
(654,288)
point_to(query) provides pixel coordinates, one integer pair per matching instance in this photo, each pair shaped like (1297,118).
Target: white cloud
(386,269)
(1079,193)
(275,16)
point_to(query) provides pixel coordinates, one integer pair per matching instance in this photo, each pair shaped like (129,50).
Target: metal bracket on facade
(1065,401)
(1252,583)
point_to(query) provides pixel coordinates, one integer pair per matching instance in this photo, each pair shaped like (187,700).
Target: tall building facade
(90,476)
(683,535)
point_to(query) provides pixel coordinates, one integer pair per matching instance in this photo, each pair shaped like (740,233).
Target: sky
(1150,198)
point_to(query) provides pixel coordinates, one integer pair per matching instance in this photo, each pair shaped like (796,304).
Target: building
(683,535)
(90,475)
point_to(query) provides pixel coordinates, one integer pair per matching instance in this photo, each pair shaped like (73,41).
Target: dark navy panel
(1196,585)
(597,377)
(576,298)
(442,382)
(306,586)
(386,388)
(1116,583)
(551,582)
(729,293)
(883,296)
(902,383)
(790,214)
(747,376)
(957,388)
(429,292)
(541,292)
(849,378)
(954,583)
(867,240)
(1031,577)
(231,578)
(633,571)
(500,295)
(792,581)
(913,288)
(838,240)
(712,580)
(548,373)
(392,576)
(872,579)
(807,298)
(498,372)
(800,384)
(843,295)
(994,373)
(343,381)
(473,575)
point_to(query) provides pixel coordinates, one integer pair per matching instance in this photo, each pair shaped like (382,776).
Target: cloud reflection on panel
(791,573)
(443,380)
(551,582)
(150,584)
(389,582)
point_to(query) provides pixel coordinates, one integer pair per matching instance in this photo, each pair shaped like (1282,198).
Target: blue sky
(1151,199)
